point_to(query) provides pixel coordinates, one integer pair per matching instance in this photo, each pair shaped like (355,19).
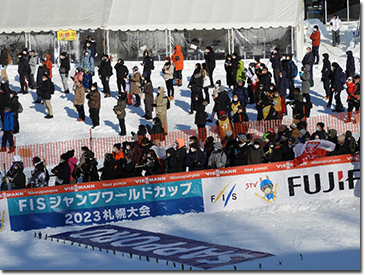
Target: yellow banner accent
(69,35)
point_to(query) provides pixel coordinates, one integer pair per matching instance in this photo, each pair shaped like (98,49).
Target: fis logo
(223,196)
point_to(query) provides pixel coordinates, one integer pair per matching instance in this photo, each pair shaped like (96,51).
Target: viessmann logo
(222,195)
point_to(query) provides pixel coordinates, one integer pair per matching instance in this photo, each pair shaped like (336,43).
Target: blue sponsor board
(105,205)
(162,246)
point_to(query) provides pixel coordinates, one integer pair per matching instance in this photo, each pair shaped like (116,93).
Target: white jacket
(336,24)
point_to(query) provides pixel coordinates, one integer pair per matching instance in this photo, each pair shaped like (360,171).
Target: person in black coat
(42,70)
(157,127)
(290,74)
(201,116)
(16,175)
(222,102)
(320,133)
(241,149)
(287,149)
(105,72)
(234,67)
(46,92)
(64,69)
(89,168)
(275,59)
(265,79)
(180,155)
(108,171)
(210,60)
(122,73)
(62,171)
(4,101)
(196,86)
(309,59)
(326,73)
(150,163)
(195,159)
(228,68)
(128,166)
(350,65)
(171,161)
(16,108)
(23,71)
(147,63)
(343,148)
(336,88)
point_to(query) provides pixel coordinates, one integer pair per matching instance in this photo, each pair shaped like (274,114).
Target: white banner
(274,187)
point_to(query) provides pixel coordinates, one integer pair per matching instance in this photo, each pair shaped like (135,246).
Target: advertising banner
(161,246)
(104,205)
(4,215)
(273,187)
(68,35)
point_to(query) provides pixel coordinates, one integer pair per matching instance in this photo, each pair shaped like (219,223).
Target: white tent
(39,15)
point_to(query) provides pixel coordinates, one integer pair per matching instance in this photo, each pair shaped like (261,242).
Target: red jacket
(351,88)
(316,38)
(48,64)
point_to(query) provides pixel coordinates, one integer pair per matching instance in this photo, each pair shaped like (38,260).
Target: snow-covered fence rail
(51,152)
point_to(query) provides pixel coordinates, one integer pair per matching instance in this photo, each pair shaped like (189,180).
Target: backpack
(343,78)
(8,59)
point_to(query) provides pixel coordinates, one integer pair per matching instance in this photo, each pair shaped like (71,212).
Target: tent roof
(40,15)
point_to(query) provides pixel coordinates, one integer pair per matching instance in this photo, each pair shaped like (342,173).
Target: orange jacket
(118,155)
(316,38)
(178,58)
(48,64)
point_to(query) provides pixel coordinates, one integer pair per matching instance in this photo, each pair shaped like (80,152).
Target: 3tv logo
(222,195)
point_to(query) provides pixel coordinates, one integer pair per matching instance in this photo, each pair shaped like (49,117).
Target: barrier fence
(51,152)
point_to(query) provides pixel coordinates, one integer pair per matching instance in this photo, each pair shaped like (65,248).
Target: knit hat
(320,124)
(348,134)
(293,126)
(315,27)
(168,58)
(292,139)
(221,113)
(36,160)
(117,145)
(332,133)
(218,145)
(181,143)
(341,139)
(242,136)
(229,133)
(64,157)
(4,78)
(135,68)
(94,85)
(218,82)
(17,158)
(194,145)
(303,132)
(257,141)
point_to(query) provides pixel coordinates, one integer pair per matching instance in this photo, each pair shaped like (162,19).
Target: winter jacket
(217,159)
(171,161)
(284,84)
(342,150)
(242,94)
(62,172)
(266,81)
(94,99)
(4,57)
(195,160)
(200,115)
(151,165)
(210,59)
(122,70)
(168,71)
(129,170)
(335,81)
(181,156)
(135,81)
(65,66)
(275,60)
(316,38)
(42,70)
(4,100)
(240,117)
(178,58)
(308,59)
(326,69)
(33,64)
(8,121)
(222,102)
(305,77)
(350,62)
(290,69)
(241,72)
(79,98)
(16,175)
(15,105)
(87,62)
(46,89)
(148,100)
(119,109)
(240,154)
(48,63)
(196,83)
(156,128)
(148,61)
(105,69)
(336,24)
(161,103)
(321,134)
(23,67)
(288,153)
(72,163)
(255,156)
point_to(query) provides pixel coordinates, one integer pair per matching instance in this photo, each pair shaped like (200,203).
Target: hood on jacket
(171,151)
(177,48)
(349,53)
(46,55)
(242,64)
(326,56)
(218,145)
(147,51)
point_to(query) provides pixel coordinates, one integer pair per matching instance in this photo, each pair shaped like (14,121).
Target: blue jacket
(195,160)
(335,81)
(242,94)
(284,84)
(275,60)
(8,121)
(87,62)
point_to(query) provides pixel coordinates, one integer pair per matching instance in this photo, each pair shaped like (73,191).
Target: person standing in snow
(94,104)
(316,40)
(350,65)
(62,171)
(276,65)
(47,90)
(305,77)
(326,72)
(148,98)
(135,81)
(336,25)
(42,70)
(210,60)
(48,64)
(87,67)
(8,128)
(122,74)
(79,100)
(228,69)
(16,175)
(168,74)
(24,71)
(336,88)
(178,62)
(33,67)
(64,69)
(148,64)
(16,108)
(39,176)
(105,72)
(291,74)
(160,103)
(308,59)
(119,110)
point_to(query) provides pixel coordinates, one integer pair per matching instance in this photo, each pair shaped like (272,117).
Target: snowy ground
(326,233)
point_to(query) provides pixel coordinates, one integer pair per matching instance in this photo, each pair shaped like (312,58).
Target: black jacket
(23,67)
(308,59)
(200,115)
(171,161)
(196,83)
(46,89)
(326,69)
(222,102)
(350,62)
(266,80)
(122,70)
(63,172)
(181,156)
(335,81)
(105,69)
(42,70)
(241,155)
(65,65)
(195,160)
(210,60)
(275,60)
